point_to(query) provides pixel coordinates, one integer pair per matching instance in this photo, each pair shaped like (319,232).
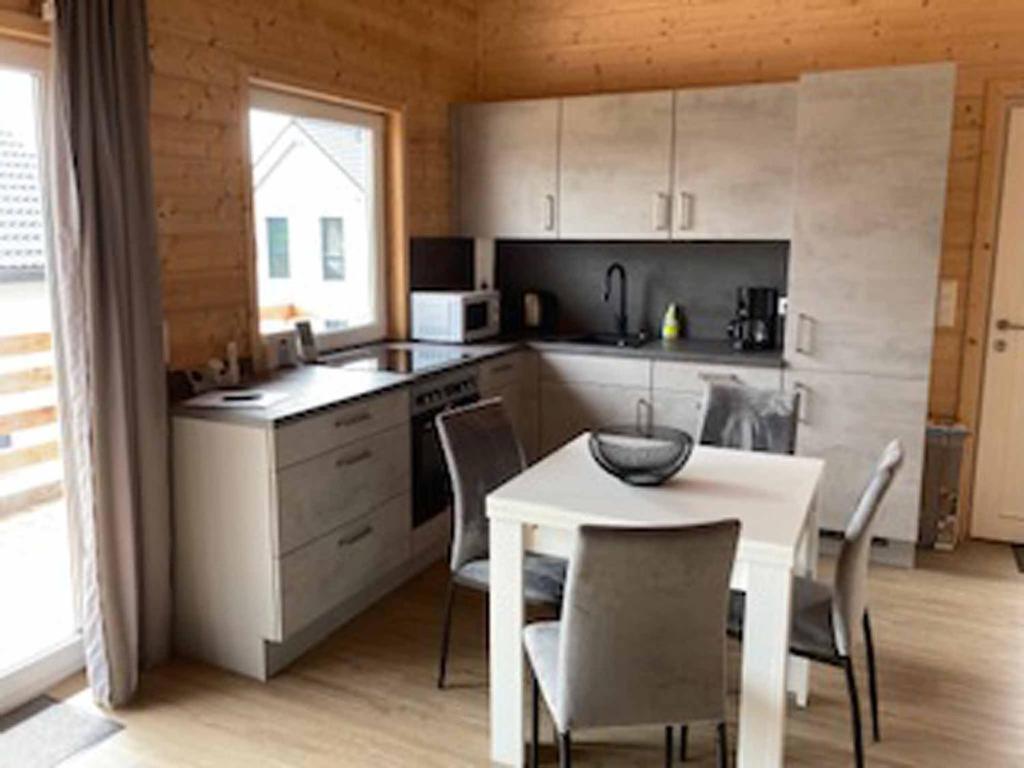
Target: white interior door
(999,492)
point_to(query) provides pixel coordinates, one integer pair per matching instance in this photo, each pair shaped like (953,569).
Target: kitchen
(594,255)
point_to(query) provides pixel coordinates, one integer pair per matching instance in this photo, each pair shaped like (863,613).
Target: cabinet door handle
(804,334)
(1006,325)
(660,211)
(803,402)
(644,414)
(685,211)
(729,378)
(351,421)
(350,461)
(549,213)
(348,541)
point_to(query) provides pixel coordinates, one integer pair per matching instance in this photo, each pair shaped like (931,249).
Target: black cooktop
(401,359)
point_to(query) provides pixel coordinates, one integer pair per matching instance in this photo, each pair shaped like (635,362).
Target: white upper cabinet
(734,158)
(616,160)
(507,159)
(872,155)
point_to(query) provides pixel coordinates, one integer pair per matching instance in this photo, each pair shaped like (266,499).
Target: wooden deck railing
(29,469)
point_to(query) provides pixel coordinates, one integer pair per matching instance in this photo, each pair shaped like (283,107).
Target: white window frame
(273,98)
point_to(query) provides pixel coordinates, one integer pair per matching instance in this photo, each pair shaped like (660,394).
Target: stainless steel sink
(609,340)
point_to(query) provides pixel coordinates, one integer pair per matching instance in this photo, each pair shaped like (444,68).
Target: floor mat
(1018,552)
(44,732)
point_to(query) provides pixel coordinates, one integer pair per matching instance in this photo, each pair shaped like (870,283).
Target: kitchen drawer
(607,370)
(500,373)
(319,494)
(692,377)
(333,568)
(313,435)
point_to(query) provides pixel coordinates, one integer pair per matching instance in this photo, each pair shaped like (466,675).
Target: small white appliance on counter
(455,316)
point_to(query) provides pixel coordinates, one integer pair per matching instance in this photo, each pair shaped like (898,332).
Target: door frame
(1001,96)
(26,50)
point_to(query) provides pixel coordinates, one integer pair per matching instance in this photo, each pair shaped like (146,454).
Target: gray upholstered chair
(641,640)
(826,617)
(482,452)
(748,418)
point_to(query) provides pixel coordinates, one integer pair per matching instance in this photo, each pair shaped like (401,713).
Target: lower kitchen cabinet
(847,419)
(678,389)
(283,532)
(513,378)
(580,392)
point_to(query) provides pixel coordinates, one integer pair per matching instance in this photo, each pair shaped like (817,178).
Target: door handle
(549,213)
(685,211)
(661,212)
(803,402)
(644,415)
(1005,325)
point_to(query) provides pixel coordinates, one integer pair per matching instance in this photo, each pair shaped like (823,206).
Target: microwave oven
(455,316)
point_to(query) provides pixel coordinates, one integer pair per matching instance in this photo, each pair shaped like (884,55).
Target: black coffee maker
(756,323)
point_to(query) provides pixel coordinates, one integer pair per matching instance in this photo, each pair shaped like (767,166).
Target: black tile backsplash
(701,277)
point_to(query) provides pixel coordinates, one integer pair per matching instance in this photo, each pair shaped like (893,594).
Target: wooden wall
(413,53)
(550,47)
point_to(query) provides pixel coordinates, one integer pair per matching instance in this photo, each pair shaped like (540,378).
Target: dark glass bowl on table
(641,455)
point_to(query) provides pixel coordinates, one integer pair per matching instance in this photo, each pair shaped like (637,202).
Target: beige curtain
(109,339)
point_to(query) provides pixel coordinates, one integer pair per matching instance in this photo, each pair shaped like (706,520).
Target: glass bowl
(641,455)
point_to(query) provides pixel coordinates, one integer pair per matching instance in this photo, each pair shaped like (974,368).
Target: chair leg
(669,752)
(446,632)
(684,738)
(869,646)
(723,746)
(535,724)
(851,685)
(564,750)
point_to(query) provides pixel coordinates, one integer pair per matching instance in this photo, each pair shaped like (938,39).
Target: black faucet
(621,319)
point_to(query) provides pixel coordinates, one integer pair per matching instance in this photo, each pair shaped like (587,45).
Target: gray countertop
(317,387)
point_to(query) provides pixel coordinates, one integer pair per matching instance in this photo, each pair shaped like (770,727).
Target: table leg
(762,724)
(506,645)
(799,675)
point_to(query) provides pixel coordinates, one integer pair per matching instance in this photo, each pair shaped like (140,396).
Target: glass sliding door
(38,626)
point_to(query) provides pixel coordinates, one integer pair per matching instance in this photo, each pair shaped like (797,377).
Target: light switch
(945,315)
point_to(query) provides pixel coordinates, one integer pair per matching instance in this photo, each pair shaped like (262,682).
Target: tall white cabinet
(872,149)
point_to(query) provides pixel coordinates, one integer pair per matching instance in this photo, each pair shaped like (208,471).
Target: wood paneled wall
(551,47)
(416,54)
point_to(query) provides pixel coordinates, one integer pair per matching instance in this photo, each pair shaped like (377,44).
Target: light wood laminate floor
(950,637)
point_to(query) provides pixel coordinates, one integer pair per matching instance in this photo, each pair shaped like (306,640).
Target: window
(332,247)
(277,246)
(318,191)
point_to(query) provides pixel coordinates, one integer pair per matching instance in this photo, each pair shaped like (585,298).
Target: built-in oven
(431,486)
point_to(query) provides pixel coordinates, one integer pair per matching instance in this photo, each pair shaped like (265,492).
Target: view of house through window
(316,174)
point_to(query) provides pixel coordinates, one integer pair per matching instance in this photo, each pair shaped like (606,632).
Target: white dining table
(772,496)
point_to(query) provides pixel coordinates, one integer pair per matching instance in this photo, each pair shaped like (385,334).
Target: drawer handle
(730,378)
(351,421)
(348,541)
(503,368)
(359,458)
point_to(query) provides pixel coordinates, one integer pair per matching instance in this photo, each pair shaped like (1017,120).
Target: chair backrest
(851,576)
(482,452)
(643,625)
(748,418)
